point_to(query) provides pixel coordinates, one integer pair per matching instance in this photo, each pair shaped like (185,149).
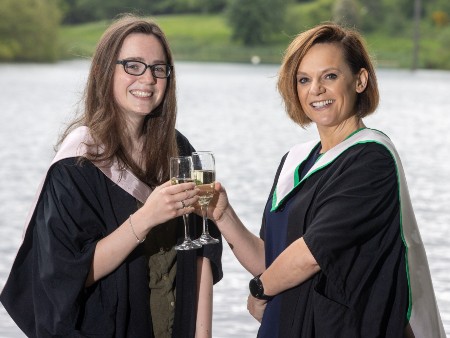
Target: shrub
(29,30)
(254,21)
(440,18)
(440,59)
(300,18)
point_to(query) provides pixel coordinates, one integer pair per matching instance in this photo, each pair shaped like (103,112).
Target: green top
(160,249)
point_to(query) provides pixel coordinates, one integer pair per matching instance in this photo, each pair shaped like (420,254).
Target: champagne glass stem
(186,228)
(205,238)
(204,208)
(188,243)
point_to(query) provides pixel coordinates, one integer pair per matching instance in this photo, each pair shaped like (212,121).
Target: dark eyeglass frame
(152,68)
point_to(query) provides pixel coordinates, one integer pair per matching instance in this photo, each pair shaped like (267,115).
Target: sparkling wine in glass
(204,175)
(181,172)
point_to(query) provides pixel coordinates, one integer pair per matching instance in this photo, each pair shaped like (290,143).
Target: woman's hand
(219,203)
(165,202)
(256,307)
(168,201)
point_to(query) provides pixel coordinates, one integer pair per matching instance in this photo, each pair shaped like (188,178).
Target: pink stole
(77,144)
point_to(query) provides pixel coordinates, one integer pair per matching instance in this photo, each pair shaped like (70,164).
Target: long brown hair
(355,54)
(105,120)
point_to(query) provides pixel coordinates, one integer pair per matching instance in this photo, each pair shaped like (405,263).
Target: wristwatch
(257,289)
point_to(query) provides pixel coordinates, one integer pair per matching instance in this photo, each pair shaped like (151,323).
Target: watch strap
(257,288)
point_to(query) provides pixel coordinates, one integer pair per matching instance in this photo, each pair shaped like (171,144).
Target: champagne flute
(181,172)
(204,177)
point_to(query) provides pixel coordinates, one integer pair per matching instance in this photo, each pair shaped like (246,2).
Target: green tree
(29,30)
(254,21)
(397,16)
(346,12)
(300,18)
(372,14)
(441,59)
(438,11)
(186,6)
(79,11)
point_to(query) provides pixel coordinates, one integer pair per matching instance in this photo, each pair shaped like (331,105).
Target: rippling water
(235,111)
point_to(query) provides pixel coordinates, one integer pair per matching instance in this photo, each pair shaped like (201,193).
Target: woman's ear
(361,81)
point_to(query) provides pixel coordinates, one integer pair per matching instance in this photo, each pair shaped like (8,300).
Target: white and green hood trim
(423,314)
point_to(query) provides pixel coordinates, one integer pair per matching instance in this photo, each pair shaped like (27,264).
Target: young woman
(98,254)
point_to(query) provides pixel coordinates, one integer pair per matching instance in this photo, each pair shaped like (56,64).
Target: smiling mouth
(321,104)
(140,93)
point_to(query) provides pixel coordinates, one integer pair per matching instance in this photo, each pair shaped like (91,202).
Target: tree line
(29,28)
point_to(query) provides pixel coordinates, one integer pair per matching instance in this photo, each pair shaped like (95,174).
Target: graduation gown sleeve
(349,217)
(45,293)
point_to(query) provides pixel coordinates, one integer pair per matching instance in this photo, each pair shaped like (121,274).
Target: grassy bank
(208,38)
(192,38)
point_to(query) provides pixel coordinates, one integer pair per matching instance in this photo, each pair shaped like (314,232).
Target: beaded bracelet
(139,241)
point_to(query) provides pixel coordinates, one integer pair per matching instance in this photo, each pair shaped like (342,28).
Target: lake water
(235,111)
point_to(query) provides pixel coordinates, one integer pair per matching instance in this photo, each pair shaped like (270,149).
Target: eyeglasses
(136,68)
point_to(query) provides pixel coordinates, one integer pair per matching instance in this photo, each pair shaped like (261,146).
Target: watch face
(255,288)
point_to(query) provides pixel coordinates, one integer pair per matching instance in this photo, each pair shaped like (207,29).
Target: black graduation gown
(45,293)
(349,216)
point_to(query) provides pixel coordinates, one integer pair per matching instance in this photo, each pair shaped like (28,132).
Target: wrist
(139,224)
(257,289)
(139,240)
(227,215)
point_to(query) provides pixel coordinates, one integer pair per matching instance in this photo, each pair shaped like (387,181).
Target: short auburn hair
(355,54)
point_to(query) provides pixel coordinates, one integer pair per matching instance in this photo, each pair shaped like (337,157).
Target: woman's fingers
(177,188)
(256,307)
(188,203)
(180,196)
(168,201)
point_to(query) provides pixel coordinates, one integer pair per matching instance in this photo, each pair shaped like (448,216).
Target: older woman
(84,269)
(339,252)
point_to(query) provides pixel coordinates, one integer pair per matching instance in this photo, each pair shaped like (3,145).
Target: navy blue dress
(276,224)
